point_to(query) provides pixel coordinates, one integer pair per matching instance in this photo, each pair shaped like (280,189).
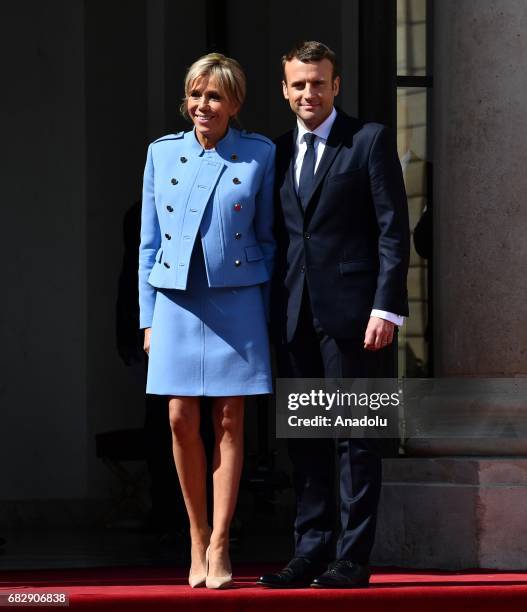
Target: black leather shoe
(343,574)
(298,573)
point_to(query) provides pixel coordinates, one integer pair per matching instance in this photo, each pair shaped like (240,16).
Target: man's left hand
(379,334)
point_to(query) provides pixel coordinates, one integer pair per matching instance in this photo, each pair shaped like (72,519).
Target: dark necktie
(307,172)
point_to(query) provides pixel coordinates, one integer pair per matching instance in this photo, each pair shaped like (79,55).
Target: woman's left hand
(146,343)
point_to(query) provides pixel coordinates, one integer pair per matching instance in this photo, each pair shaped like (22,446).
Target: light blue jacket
(235,226)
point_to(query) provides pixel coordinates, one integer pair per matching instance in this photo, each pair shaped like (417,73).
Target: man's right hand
(146,344)
(379,334)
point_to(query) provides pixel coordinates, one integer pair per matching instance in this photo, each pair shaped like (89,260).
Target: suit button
(234,157)
(173,181)
(166,264)
(168,236)
(237,235)
(307,235)
(237,263)
(236,181)
(302,269)
(169,208)
(183,160)
(237,207)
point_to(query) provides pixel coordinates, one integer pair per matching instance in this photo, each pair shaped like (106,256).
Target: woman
(204,264)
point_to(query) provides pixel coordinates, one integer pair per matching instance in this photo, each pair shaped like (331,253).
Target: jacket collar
(225,147)
(322,131)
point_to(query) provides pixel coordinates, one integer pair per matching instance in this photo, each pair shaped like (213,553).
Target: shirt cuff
(388,316)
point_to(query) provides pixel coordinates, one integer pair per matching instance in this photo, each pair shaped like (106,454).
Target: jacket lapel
(333,145)
(288,187)
(206,178)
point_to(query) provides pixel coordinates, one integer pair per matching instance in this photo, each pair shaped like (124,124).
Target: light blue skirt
(208,341)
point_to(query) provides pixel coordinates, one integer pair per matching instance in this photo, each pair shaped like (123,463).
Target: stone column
(479,129)
(480,155)
(444,508)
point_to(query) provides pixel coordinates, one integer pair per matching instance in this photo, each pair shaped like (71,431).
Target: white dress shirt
(322,133)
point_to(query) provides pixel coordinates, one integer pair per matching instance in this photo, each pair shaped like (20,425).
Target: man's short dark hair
(311,51)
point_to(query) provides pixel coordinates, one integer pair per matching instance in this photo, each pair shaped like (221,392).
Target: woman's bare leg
(227,416)
(191,465)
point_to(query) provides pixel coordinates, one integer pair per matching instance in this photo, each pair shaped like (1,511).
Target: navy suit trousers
(357,461)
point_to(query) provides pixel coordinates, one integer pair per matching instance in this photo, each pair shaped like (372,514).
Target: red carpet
(149,589)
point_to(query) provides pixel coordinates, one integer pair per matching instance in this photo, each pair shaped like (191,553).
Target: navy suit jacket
(351,244)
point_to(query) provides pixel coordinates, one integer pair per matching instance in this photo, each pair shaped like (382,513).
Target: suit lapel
(289,174)
(333,145)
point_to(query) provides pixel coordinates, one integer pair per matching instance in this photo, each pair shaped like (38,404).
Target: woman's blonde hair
(228,73)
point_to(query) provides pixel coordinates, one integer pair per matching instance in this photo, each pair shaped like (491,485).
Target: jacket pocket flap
(253,253)
(347,267)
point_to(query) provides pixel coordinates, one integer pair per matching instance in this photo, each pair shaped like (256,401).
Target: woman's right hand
(146,343)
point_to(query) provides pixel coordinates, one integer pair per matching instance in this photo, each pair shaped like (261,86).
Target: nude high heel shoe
(216,582)
(196,580)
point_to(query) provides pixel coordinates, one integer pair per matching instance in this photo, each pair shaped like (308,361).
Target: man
(339,295)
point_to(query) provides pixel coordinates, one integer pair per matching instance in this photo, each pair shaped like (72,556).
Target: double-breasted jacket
(222,197)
